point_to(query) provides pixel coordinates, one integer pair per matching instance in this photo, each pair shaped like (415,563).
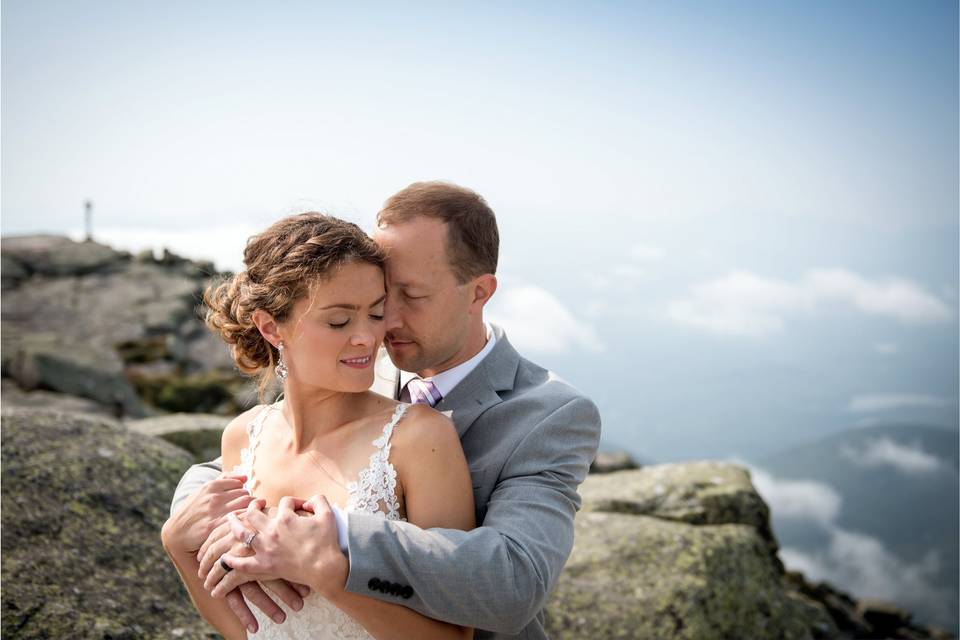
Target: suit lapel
(480,389)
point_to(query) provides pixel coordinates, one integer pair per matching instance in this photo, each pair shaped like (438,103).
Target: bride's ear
(267,326)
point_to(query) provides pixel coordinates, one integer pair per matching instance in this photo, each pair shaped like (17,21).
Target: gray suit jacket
(529,439)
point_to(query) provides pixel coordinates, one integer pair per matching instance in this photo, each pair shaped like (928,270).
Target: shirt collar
(446,381)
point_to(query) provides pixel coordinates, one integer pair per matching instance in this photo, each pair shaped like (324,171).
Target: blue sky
(728,222)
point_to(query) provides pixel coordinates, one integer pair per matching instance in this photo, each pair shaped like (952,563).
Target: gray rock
(608,462)
(61,256)
(82,506)
(693,492)
(47,361)
(103,310)
(12,271)
(14,396)
(633,576)
(198,433)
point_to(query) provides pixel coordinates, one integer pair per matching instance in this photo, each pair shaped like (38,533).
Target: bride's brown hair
(282,263)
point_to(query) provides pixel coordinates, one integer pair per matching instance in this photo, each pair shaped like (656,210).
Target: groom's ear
(483,288)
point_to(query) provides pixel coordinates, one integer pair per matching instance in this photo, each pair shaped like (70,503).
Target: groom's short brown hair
(473,242)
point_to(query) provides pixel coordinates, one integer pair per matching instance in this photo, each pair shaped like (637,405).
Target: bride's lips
(358,363)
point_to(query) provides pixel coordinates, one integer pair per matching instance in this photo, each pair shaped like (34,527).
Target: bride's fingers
(239,503)
(218,532)
(285,591)
(241,532)
(212,554)
(290,504)
(254,516)
(240,609)
(262,600)
(320,505)
(310,505)
(216,574)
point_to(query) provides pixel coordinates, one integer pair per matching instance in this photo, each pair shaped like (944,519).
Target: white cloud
(886,452)
(738,304)
(869,402)
(886,348)
(861,565)
(746,304)
(536,321)
(894,297)
(800,499)
(647,253)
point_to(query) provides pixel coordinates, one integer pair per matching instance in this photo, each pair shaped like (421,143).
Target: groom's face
(426,315)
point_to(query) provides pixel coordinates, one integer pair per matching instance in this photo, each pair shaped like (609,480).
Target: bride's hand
(301,549)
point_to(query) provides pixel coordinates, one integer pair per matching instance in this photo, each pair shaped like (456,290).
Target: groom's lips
(398,343)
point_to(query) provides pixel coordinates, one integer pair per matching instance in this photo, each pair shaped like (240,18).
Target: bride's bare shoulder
(234,436)
(422,426)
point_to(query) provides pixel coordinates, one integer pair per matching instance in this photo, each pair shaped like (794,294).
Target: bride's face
(332,336)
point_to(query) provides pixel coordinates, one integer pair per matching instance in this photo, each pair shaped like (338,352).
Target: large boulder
(14,396)
(83,503)
(47,361)
(699,493)
(678,551)
(198,433)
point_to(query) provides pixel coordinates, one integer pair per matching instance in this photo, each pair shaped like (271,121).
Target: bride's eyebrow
(352,307)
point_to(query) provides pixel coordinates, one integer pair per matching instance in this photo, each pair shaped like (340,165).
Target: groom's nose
(391,313)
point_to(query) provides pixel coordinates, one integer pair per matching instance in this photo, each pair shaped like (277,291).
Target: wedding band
(225,566)
(248,543)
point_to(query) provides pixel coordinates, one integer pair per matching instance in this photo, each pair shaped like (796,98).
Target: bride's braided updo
(282,263)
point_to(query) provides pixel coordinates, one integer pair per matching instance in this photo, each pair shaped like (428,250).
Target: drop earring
(281,368)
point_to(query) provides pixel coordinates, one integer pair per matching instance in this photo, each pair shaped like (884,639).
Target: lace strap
(375,488)
(383,442)
(249,453)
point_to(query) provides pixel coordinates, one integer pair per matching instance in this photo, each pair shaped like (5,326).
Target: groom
(528,437)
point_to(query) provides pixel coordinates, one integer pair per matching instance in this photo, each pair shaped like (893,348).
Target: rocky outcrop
(699,493)
(48,361)
(198,433)
(14,396)
(83,319)
(608,462)
(685,551)
(82,506)
(58,256)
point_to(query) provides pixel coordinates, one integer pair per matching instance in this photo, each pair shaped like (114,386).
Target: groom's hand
(303,549)
(201,513)
(244,588)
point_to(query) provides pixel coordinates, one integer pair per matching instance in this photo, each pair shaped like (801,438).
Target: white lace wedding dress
(372,492)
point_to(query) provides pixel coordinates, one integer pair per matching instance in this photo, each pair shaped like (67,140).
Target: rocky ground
(112,387)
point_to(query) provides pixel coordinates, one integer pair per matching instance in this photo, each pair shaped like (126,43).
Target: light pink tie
(423,391)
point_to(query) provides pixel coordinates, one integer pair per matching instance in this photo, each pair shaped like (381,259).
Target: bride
(309,307)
